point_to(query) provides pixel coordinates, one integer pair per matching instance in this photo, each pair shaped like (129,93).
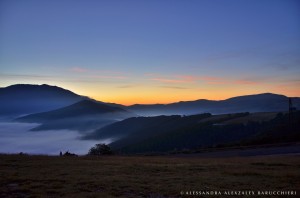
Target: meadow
(144,176)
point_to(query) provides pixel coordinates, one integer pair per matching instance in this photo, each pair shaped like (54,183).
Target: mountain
(266,102)
(20,99)
(83,115)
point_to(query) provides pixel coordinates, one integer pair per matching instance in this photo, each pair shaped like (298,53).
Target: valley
(195,125)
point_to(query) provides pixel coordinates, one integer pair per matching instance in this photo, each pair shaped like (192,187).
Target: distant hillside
(134,125)
(266,102)
(79,109)
(170,133)
(134,130)
(26,99)
(82,115)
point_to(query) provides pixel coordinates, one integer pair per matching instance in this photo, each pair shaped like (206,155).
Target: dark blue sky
(152,51)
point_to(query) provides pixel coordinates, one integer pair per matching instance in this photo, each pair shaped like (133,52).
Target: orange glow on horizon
(127,101)
(162,93)
(153,94)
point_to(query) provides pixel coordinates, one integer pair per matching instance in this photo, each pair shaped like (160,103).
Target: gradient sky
(155,51)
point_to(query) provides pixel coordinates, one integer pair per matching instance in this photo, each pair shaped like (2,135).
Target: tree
(100,149)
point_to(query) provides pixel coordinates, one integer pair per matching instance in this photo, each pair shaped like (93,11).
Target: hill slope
(79,109)
(82,115)
(169,133)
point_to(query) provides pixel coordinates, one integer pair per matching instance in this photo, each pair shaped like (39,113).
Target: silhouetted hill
(266,102)
(133,130)
(169,133)
(83,115)
(79,109)
(26,99)
(134,125)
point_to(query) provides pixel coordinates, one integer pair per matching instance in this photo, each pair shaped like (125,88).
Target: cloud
(22,77)
(126,86)
(188,78)
(25,75)
(151,74)
(176,79)
(223,81)
(166,80)
(108,77)
(215,80)
(45,79)
(173,87)
(239,53)
(212,80)
(79,70)
(98,74)
(245,82)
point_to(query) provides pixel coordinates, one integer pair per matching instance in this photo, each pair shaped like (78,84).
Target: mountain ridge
(22,99)
(205,100)
(264,102)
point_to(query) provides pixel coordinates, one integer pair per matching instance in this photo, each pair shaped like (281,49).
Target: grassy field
(117,176)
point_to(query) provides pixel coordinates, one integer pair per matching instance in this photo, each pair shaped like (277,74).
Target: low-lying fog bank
(16,138)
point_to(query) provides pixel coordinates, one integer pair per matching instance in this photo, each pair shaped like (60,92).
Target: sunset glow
(123,53)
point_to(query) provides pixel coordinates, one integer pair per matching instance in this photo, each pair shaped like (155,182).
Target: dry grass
(117,176)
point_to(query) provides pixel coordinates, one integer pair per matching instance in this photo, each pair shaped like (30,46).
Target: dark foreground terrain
(117,176)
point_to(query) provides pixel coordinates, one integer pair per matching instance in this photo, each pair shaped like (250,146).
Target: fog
(16,138)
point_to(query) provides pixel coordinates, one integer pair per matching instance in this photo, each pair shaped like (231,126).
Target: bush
(100,149)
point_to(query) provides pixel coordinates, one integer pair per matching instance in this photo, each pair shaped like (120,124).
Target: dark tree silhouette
(100,149)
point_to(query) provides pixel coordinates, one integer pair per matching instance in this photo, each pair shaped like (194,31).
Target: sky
(158,51)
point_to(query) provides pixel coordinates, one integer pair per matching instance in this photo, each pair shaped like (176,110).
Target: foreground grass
(116,176)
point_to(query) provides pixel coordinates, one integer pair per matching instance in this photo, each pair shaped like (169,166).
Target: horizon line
(132,104)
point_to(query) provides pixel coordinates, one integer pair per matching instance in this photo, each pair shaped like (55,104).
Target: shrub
(100,149)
